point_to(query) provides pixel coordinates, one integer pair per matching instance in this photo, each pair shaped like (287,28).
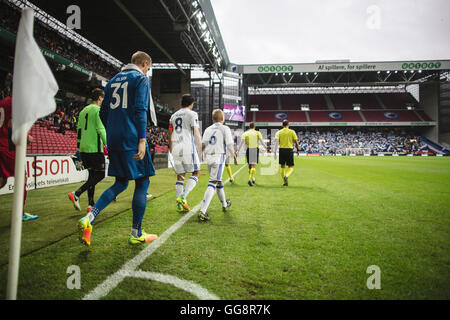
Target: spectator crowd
(56,42)
(338,141)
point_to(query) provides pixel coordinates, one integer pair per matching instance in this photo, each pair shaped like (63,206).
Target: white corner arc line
(128,268)
(185,285)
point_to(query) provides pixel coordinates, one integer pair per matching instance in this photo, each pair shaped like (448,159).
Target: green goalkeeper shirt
(91,132)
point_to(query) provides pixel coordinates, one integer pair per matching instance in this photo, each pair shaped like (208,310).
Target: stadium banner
(48,171)
(346,66)
(348,124)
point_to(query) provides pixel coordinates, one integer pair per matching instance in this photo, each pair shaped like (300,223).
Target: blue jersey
(124,109)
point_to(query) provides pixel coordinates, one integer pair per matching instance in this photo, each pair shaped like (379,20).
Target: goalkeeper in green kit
(90,140)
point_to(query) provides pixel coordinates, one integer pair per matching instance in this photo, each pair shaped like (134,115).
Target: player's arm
(204,143)
(104,108)
(169,136)
(275,147)
(296,143)
(197,138)
(261,141)
(78,135)
(100,128)
(229,141)
(196,133)
(240,146)
(142,101)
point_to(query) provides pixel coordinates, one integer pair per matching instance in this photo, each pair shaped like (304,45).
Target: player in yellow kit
(285,139)
(252,138)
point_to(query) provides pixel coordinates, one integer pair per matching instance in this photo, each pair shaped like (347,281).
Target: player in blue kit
(124,115)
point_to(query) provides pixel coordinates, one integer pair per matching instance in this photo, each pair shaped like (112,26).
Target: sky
(303,31)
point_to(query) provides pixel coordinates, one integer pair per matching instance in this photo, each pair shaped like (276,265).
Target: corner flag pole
(16,216)
(34,89)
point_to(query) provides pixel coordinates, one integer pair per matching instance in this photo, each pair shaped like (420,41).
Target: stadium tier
(47,140)
(375,107)
(338,116)
(346,101)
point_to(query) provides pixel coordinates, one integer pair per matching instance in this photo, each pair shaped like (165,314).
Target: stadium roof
(335,73)
(177,32)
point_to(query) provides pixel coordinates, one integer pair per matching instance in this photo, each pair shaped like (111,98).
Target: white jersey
(216,138)
(182,123)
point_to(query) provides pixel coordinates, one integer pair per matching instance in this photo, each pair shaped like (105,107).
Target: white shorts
(216,164)
(185,162)
(227,160)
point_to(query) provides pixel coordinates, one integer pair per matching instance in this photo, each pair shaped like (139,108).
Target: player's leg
(99,175)
(85,223)
(2,182)
(179,191)
(193,165)
(74,196)
(290,164)
(191,183)
(222,198)
(139,204)
(228,167)
(209,194)
(25,215)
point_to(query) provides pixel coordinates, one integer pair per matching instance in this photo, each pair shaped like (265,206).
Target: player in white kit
(216,144)
(184,141)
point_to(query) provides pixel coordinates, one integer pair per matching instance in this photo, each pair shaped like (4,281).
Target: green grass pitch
(314,239)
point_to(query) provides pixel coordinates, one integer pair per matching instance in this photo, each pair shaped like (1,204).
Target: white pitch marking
(128,268)
(185,285)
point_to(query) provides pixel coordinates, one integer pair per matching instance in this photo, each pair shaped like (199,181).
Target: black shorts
(252,155)
(93,161)
(286,157)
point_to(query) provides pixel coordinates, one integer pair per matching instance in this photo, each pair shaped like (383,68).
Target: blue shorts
(122,165)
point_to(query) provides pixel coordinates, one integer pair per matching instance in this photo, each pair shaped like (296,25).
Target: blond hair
(139,57)
(217,115)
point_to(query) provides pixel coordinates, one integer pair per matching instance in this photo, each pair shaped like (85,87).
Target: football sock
(179,188)
(283,171)
(230,174)
(209,194)
(190,185)
(107,197)
(139,203)
(289,171)
(252,173)
(221,193)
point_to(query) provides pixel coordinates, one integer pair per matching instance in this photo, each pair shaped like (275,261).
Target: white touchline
(129,268)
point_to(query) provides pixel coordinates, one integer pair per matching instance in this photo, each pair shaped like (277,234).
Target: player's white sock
(221,193)
(209,194)
(190,185)
(179,187)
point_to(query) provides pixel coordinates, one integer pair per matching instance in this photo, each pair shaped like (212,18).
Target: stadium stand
(391,115)
(349,116)
(346,101)
(395,100)
(56,42)
(266,102)
(337,141)
(293,102)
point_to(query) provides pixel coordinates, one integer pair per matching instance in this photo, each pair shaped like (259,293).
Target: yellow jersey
(286,137)
(251,138)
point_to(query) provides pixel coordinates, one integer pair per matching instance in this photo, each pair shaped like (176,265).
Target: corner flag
(34,88)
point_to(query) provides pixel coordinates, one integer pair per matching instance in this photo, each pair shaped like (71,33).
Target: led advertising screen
(234,113)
